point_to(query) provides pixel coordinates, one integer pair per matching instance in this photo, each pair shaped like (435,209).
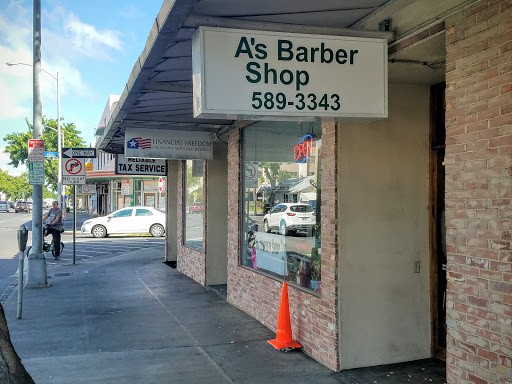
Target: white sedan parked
(288,217)
(130,220)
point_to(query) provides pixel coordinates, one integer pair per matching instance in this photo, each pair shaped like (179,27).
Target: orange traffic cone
(283,340)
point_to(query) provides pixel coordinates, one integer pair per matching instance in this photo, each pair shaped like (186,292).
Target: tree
(15,187)
(271,171)
(12,370)
(17,146)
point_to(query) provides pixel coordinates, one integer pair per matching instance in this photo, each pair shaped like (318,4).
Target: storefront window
(281,186)
(193,204)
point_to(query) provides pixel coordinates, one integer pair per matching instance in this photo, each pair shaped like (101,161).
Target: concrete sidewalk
(133,319)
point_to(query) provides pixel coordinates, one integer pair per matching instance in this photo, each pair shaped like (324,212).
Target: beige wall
(171,209)
(383,230)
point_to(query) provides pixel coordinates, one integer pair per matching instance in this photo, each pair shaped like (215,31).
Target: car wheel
(157,230)
(99,231)
(282,228)
(266,228)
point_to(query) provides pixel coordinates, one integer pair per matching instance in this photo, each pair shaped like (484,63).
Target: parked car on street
(130,220)
(196,207)
(288,217)
(4,206)
(22,206)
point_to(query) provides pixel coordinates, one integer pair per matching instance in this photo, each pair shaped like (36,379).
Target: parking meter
(22,244)
(22,238)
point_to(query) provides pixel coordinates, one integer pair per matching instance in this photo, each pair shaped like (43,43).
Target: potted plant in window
(316,268)
(293,270)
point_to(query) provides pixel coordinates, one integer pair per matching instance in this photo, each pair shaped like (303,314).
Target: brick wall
(479,193)
(314,319)
(191,262)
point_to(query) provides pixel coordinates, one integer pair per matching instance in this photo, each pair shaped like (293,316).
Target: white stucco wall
(383,230)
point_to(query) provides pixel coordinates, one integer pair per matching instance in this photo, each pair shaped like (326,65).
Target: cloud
(63,32)
(4,160)
(89,40)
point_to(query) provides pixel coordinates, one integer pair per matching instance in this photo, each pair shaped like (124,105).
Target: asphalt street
(9,224)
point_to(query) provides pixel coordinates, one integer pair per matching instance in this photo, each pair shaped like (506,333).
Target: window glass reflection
(281,185)
(193,204)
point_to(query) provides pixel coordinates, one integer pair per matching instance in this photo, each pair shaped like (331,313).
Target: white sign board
(126,187)
(134,166)
(73,171)
(251,175)
(36,173)
(168,144)
(89,189)
(271,252)
(242,74)
(35,162)
(35,151)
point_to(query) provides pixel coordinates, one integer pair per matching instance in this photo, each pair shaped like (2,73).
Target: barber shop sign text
(240,74)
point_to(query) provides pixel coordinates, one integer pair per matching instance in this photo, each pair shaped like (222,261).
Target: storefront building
(393,232)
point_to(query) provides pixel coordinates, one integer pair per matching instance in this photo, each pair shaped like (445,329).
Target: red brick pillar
(479,193)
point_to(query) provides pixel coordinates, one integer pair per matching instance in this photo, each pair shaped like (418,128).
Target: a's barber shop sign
(241,74)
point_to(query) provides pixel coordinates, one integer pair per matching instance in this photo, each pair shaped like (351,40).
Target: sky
(92,44)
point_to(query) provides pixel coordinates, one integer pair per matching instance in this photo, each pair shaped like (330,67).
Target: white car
(4,206)
(129,220)
(288,217)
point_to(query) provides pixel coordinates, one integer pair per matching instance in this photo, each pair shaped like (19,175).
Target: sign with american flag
(139,142)
(168,144)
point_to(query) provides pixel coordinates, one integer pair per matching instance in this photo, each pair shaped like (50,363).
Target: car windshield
(301,208)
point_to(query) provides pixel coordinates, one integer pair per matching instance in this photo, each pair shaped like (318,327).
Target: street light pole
(59,149)
(36,266)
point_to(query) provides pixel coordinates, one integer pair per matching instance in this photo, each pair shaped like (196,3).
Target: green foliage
(17,146)
(15,187)
(316,264)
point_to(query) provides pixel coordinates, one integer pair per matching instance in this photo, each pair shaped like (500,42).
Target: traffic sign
(36,173)
(35,151)
(51,154)
(81,153)
(73,171)
(251,175)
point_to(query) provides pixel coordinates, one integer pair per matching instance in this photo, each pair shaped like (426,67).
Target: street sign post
(35,162)
(80,153)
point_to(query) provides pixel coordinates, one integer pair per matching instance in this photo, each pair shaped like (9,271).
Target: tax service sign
(243,74)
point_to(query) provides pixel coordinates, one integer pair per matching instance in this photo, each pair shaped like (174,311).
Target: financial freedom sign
(242,74)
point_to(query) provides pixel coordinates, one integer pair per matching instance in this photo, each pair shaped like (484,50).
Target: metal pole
(21,255)
(74,223)
(36,267)
(59,148)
